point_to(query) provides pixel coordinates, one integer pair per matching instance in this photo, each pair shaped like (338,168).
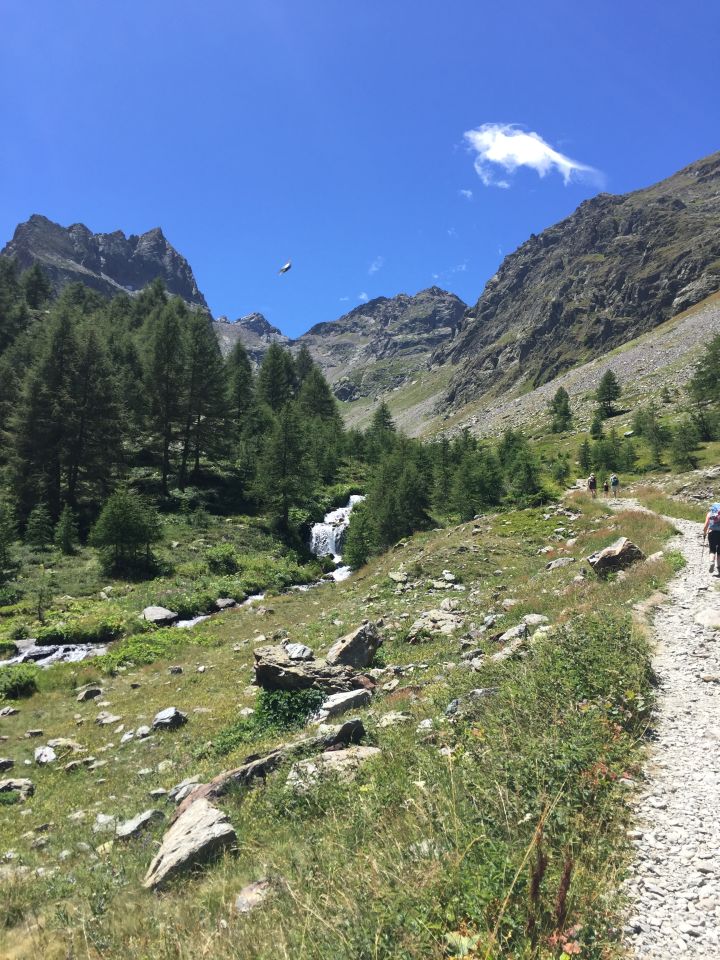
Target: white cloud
(363,296)
(376,265)
(344,299)
(505,146)
(452,232)
(468,194)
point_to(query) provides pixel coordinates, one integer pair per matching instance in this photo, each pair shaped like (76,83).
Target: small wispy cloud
(507,147)
(376,265)
(363,297)
(468,194)
(344,299)
(452,232)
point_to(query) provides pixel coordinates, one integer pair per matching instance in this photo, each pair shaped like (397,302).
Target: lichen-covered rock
(618,556)
(275,670)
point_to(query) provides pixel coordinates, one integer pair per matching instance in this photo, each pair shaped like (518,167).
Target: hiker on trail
(711,530)
(614,483)
(592,485)
(606,488)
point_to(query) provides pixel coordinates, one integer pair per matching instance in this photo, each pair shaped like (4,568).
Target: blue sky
(333,133)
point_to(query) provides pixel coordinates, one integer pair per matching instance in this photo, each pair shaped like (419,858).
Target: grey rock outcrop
(275,670)
(199,834)
(356,649)
(110,263)
(160,616)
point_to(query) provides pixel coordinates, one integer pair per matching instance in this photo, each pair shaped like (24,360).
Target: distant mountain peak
(108,262)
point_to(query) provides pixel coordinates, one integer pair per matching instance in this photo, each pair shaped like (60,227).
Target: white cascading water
(326,538)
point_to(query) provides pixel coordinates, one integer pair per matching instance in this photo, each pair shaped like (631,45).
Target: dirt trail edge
(674,885)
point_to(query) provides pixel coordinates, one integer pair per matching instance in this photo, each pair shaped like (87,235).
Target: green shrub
(222,559)
(143,648)
(276,711)
(18,680)
(86,630)
(9,798)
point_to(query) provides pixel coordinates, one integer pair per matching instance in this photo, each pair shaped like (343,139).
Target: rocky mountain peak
(108,262)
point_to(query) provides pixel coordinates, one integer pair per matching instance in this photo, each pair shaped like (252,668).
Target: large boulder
(276,670)
(199,834)
(160,616)
(619,555)
(356,649)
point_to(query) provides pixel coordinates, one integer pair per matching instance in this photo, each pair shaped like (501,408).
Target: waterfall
(327,538)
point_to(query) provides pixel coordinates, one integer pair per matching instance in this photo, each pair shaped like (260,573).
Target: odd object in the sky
(286,267)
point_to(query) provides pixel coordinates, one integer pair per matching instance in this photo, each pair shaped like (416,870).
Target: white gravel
(674,886)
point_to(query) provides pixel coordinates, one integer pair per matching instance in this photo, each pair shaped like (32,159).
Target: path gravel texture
(674,885)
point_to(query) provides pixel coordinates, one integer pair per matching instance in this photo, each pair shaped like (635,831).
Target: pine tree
(596,427)
(205,394)
(125,531)
(316,399)
(66,531)
(560,411)
(359,543)
(683,446)
(584,456)
(164,379)
(36,286)
(477,484)
(241,387)
(276,381)
(7,539)
(381,433)
(608,391)
(38,531)
(304,364)
(284,476)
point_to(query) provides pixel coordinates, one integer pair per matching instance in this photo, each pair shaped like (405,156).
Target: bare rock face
(597,279)
(618,556)
(110,263)
(275,670)
(200,833)
(356,649)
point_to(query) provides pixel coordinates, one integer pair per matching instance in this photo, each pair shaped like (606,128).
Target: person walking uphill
(592,485)
(711,530)
(614,484)
(606,488)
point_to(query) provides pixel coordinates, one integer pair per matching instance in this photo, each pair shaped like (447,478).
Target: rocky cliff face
(617,267)
(107,262)
(253,331)
(384,342)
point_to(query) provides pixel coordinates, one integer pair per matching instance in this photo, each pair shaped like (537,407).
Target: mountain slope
(254,331)
(108,262)
(617,267)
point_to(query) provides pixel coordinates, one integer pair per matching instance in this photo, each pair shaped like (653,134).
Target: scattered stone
(252,896)
(6,763)
(34,734)
(183,789)
(136,826)
(105,719)
(104,823)
(535,620)
(23,787)
(434,621)
(708,617)
(559,563)
(398,576)
(425,725)
(160,616)
(89,693)
(8,712)
(393,718)
(143,732)
(509,602)
(449,605)
(391,685)
(176,669)
(356,649)
(44,755)
(618,556)
(169,719)
(198,834)
(225,603)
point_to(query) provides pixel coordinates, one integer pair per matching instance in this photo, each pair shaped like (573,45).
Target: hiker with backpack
(711,530)
(606,487)
(592,485)
(614,484)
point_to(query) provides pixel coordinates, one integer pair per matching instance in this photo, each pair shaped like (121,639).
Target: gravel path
(674,886)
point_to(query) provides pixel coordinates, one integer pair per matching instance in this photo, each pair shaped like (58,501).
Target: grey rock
(45,755)
(225,603)
(618,556)
(274,670)
(339,703)
(8,712)
(200,832)
(160,616)
(298,651)
(559,563)
(169,719)
(133,828)
(6,763)
(252,895)
(106,719)
(89,693)
(23,787)
(355,649)
(344,764)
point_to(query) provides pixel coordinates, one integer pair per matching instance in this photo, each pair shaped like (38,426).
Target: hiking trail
(674,883)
